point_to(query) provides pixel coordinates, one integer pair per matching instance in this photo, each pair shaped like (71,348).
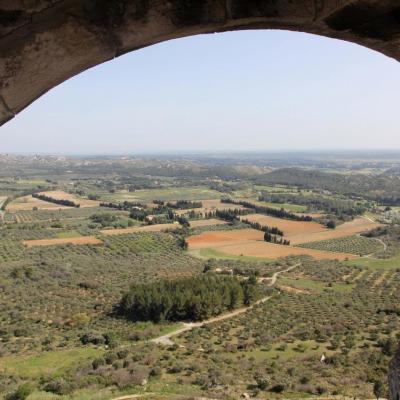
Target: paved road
(166,339)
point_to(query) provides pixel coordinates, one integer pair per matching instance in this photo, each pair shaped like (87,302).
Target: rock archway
(45,42)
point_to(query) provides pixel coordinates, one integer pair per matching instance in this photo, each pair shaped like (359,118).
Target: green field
(68,234)
(49,363)
(358,245)
(316,286)
(392,263)
(184,193)
(214,253)
(287,206)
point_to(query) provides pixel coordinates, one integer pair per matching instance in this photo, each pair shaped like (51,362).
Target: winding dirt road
(166,339)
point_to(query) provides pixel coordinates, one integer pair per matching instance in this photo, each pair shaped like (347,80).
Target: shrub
(93,338)
(59,386)
(98,362)
(21,393)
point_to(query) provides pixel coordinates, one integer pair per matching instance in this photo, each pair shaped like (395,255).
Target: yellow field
(206,222)
(61,195)
(27,203)
(250,242)
(303,232)
(57,242)
(211,205)
(147,228)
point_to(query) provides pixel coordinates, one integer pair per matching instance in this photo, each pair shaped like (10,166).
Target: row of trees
(126,205)
(274,212)
(195,298)
(230,215)
(256,225)
(63,202)
(185,204)
(341,208)
(276,239)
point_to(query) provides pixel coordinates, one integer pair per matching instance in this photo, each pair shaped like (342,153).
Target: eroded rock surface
(45,42)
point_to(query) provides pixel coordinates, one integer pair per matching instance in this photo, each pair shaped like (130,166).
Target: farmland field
(80,240)
(57,214)
(148,228)
(358,245)
(250,242)
(206,222)
(167,194)
(27,203)
(210,205)
(140,295)
(303,232)
(296,208)
(61,195)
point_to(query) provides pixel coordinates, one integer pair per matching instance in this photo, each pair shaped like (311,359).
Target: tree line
(383,188)
(342,208)
(256,225)
(195,298)
(276,239)
(185,204)
(62,202)
(125,206)
(229,214)
(275,212)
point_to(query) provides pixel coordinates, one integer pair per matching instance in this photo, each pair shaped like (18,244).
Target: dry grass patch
(28,203)
(147,228)
(206,222)
(60,241)
(61,195)
(211,205)
(291,289)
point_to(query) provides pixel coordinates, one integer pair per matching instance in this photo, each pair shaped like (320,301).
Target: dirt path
(132,396)
(166,339)
(368,218)
(383,243)
(379,240)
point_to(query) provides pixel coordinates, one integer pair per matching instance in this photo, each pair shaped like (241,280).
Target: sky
(238,91)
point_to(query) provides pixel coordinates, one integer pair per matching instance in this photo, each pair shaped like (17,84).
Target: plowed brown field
(303,232)
(56,242)
(250,242)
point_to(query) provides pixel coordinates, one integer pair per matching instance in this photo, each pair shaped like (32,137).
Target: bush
(93,338)
(21,393)
(59,386)
(98,362)
(278,388)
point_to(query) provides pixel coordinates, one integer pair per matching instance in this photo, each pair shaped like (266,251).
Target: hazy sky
(255,90)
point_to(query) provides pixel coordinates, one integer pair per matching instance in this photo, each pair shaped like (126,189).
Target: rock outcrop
(45,42)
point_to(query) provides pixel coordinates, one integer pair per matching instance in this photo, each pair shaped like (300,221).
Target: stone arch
(45,42)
